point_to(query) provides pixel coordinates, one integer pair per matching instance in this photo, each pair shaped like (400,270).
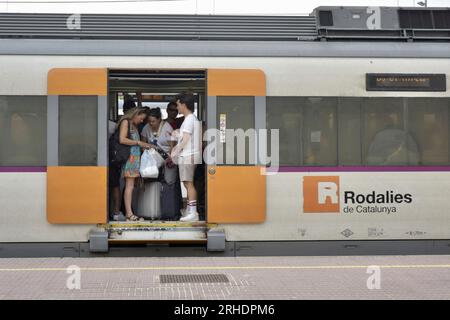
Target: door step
(157,231)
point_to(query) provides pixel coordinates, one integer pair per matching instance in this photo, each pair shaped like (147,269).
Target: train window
(361,131)
(77,130)
(349,131)
(428,124)
(386,140)
(284,114)
(319,131)
(308,129)
(237,113)
(23,130)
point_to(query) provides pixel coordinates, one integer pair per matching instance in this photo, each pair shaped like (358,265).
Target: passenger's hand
(169,163)
(175,134)
(145,146)
(174,153)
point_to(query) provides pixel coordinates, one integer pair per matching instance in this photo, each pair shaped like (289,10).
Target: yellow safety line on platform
(185,268)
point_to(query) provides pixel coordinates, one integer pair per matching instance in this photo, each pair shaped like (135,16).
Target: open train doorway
(155,91)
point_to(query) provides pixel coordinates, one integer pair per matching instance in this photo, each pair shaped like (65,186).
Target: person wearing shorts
(187,152)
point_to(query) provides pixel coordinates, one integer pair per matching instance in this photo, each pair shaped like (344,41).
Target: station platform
(229,278)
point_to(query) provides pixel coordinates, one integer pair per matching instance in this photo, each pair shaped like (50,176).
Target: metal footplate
(157,231)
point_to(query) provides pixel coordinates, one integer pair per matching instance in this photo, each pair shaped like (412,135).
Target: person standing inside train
(114,172)
(157,131)
(172,116)
(187,152)
(129,135)
(128,103)
(144,123)
(172,172)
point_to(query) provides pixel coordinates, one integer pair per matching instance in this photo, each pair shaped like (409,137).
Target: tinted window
(319,131)
(77,131)
(285,114)
(23,131)
(384,137)
(308,129)
(428,125)
(360,131)
(237,113)
(349,129)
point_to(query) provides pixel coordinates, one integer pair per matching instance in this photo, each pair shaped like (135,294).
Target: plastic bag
(150,163)
(158,158)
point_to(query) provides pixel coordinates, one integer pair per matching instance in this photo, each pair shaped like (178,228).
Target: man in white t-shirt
(187,152)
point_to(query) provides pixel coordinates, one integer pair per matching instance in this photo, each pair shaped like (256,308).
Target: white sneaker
(119,217)
(190,217)
(183,212)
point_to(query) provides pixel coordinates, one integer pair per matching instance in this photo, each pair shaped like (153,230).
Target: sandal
(134,218)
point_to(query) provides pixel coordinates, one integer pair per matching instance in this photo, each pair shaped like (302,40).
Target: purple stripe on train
(363,169)
(23,169)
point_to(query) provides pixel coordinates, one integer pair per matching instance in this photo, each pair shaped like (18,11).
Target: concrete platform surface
(343,277)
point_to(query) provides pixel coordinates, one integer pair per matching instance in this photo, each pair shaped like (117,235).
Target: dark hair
(172,103)
(128,103)
(155,112)
(187,99)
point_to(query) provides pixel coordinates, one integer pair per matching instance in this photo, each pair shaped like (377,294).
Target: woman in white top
(159,132)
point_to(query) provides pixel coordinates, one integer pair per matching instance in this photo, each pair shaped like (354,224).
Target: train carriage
(358,98)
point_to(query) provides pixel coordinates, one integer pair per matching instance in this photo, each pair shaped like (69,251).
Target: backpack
(118,153)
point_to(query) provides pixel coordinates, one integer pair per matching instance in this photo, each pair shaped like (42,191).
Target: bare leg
(128,196)
(191,192)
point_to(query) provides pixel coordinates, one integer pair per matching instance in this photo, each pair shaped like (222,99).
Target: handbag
(118,153)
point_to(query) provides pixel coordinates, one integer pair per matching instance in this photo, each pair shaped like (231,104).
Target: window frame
(361,101)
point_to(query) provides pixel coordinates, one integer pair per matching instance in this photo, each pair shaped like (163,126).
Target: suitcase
(170,201)
(149,201)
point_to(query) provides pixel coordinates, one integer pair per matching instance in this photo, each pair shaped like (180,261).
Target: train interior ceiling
(155,89)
